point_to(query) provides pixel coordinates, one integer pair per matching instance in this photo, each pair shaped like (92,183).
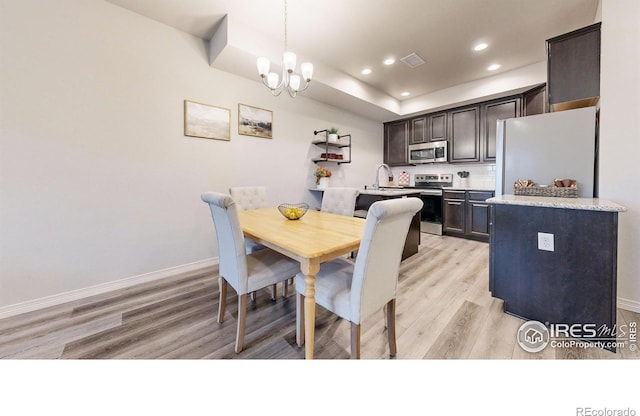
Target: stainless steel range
(431,185)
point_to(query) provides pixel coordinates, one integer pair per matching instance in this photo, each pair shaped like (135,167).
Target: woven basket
(571,192)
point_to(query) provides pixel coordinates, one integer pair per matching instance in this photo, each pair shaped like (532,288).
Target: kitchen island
(553,260)
(366,197)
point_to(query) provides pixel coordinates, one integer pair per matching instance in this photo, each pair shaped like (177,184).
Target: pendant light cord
(285,26)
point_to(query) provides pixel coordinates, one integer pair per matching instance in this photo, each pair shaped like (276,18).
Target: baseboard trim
(629,305)
(54,300)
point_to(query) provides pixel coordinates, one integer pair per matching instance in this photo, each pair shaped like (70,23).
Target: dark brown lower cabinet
(466,214)
(411,244)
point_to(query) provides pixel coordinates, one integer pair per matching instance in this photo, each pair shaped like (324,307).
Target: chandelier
(290,81)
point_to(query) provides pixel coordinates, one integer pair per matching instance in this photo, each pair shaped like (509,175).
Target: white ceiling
(341,37)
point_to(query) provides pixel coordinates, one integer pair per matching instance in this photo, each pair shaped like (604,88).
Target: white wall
(620,136)
(97,181)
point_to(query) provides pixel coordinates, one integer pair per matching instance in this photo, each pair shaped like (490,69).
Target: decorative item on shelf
(322,177)
(333,135)
(293,211)
(290,81)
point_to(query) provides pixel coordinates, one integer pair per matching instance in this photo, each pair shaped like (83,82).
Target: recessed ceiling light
(366,71)
(389,61)
(480,46)
(405,94)
(493,67)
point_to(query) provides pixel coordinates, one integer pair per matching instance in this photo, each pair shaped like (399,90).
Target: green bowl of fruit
(293,211)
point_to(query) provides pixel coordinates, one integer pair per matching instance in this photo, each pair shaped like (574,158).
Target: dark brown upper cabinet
(418,130)
(396,136)
(573,68)
(491,113)
(535,101)
(464,134)
(437,127)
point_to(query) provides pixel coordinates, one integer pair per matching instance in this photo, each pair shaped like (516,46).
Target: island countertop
(588,204)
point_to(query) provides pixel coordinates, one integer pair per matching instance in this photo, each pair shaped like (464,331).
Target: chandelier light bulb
(272,80)
(294,82)
(289,59)
(307,70)
(263,66)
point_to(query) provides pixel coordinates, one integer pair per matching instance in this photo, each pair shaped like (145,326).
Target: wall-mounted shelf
(326,144)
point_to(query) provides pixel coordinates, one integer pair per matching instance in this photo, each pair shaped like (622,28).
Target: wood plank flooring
(444,311)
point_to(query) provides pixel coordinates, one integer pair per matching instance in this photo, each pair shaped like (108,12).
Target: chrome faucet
(383,165)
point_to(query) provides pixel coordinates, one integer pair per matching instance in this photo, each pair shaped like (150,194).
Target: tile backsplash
(480,176)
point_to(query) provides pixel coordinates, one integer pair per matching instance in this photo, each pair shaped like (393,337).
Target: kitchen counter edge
(389,192)
(468,188)
(588,204)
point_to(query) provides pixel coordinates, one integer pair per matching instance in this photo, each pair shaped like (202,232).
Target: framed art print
(254,121)
(206,121)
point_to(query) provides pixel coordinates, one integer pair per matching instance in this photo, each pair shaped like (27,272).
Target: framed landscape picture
(253,121)
(206,121)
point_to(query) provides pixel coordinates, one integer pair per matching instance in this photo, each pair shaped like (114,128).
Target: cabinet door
(419,130)
(478,215)
(395,143)
(573,65)
(453,212)
(492,112)
(464,132)
(437,127)
(535,101)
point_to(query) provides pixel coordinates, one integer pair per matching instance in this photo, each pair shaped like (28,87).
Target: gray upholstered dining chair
(246,273)
(250,197)
(355,291)
(254,197)
(340,201)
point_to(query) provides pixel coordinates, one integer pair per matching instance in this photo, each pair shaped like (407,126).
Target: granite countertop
(389,191)
(588,204)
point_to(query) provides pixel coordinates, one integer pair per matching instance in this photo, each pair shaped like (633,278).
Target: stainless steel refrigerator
(543,147)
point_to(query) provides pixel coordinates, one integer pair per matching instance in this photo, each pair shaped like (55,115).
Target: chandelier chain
(285,26)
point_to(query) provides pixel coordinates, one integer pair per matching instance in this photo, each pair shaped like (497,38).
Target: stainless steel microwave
(431,152)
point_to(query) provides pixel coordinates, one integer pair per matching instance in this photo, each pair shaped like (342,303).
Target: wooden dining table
(315,238)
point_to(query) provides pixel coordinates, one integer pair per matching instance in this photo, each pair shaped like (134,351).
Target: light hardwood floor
(444,311)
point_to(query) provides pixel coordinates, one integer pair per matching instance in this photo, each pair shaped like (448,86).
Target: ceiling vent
(413,60)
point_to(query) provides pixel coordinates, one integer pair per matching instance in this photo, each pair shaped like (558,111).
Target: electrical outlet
(545,242)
